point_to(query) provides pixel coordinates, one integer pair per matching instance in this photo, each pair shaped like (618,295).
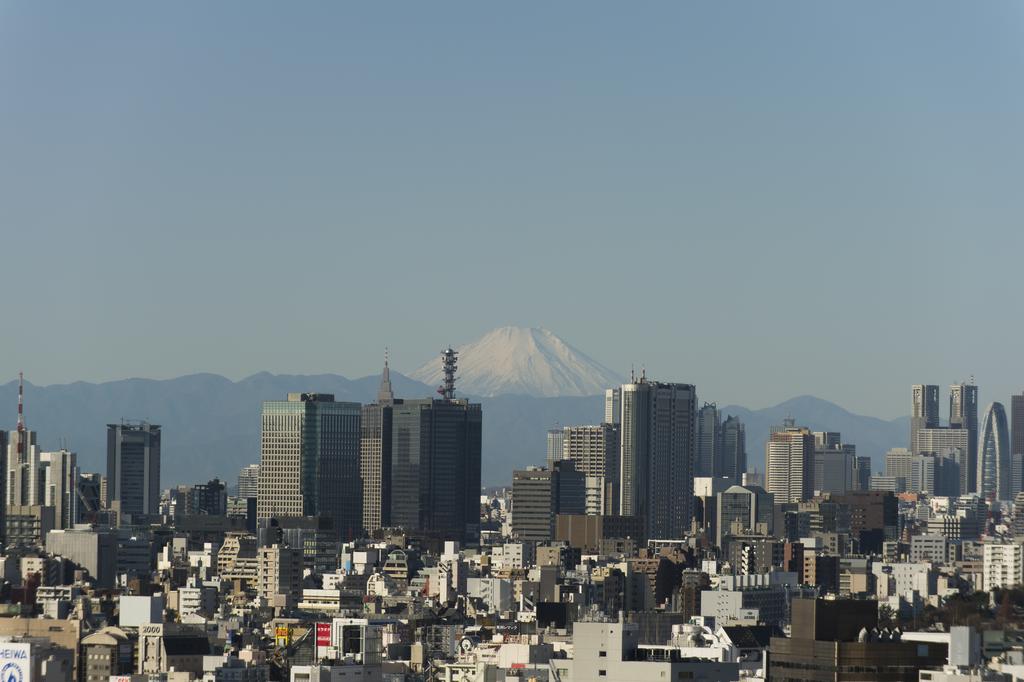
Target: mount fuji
(523,361)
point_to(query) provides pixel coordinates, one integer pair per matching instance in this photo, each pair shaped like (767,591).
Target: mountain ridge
(211,423)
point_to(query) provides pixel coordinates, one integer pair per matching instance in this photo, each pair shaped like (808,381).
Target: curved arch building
(994,454)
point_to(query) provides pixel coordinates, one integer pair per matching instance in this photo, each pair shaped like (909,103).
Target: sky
(763,199)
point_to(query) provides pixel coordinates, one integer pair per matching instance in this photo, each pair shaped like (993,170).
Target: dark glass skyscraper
(133,467)
(435,468)
(657,440)
(734,448)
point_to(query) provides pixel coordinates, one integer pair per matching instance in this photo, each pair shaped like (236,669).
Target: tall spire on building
(21,415)
(385,396)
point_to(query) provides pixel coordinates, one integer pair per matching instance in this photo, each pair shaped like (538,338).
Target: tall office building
(950,443)
(657,443)
(60,486)
(963,414)
(24,477)
(733,459)
(933,474)
(994,463)
(375,455)
(594,451)
(133,467)
(435,463)
(748,508)
(309,460)
(540,495)
(834,463)
(249,481)
(789,464)
(709,440)
(3,484)
(555,440)
(898,463)
(925,412)
(1017,441)
(612,405)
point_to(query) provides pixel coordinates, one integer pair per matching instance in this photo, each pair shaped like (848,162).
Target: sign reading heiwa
(14,662)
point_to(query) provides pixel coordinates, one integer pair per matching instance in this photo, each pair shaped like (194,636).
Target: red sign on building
(323,634)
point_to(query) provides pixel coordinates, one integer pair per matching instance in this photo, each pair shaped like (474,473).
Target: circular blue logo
(11,672)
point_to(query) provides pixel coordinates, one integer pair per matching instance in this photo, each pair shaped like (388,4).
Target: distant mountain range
(211,424)
(530,381)
(523,361)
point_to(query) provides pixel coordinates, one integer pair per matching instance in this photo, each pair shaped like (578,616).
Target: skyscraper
(309,460)
(60,486)
(24,471)
(834,463)
(133,467)
(789,464)
(375,455)
(709,438)
(594,450)
(733,458)
(1017,424)
(539,495)
(952,444)
(994,464)
(925,412)
(612,405)
(249,481)
(555,446)
(22,482)
(435,463)
(658,438)
(963,414)
(898,465)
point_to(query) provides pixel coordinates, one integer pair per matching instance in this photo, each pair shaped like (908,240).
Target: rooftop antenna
(449,363)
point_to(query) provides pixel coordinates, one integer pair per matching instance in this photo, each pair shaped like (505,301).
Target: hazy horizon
(764,200)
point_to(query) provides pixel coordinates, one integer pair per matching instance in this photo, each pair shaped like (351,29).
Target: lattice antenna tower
(449,363)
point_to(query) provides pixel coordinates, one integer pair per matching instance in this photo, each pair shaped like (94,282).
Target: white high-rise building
(612,405)
(1003,565)
(24,481)
(555,447)
(657,442)
(60,480)
(249,480)
(789,464)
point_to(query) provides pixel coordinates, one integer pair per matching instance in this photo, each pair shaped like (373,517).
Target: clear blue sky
(766,199)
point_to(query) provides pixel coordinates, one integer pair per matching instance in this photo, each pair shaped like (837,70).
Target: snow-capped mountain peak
(526,361)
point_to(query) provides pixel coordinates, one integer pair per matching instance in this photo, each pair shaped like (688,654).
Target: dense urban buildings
(363,543)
